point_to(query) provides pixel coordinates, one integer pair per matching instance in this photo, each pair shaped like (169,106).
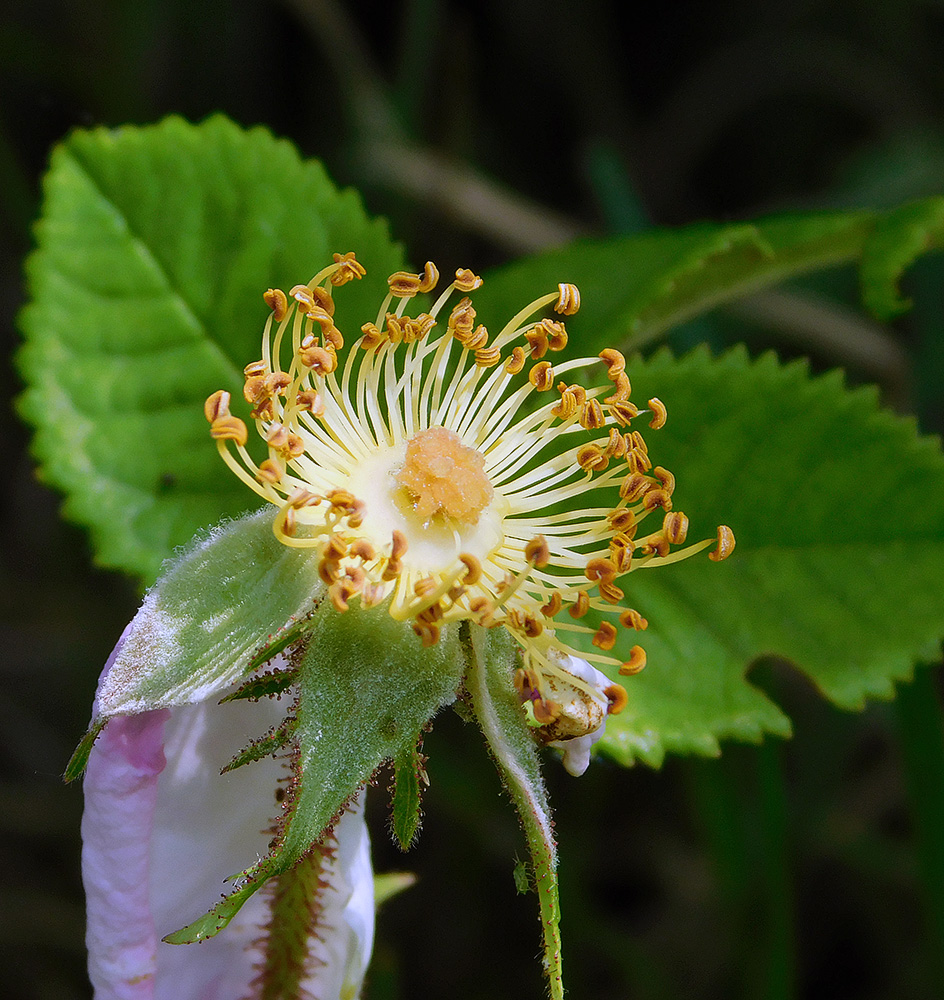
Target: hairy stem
(501,720)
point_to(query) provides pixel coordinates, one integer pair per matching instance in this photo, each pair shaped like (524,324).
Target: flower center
(444,479)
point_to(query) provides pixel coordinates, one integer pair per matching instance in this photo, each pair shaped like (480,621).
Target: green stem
(295,910)
(504,728)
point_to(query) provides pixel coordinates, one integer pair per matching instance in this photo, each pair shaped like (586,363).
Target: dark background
(809,869)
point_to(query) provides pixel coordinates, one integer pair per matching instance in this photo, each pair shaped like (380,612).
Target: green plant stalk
(526,793)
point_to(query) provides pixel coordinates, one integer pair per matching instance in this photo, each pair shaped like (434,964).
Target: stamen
(421,475)
(635,663)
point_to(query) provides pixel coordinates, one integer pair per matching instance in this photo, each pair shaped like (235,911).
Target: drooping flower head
(460,475)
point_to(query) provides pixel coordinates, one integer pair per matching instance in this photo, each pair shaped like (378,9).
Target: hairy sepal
(366,690)
(227,600)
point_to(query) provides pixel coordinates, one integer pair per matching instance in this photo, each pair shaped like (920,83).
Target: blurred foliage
(809,869)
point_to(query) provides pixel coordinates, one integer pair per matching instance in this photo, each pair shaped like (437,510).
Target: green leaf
(154,249)
(899,239)
(838,510)
(635,288)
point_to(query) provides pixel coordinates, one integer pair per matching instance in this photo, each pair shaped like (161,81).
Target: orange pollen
(445,478)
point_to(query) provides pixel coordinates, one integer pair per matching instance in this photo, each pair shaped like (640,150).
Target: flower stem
(502,722)
(294,915)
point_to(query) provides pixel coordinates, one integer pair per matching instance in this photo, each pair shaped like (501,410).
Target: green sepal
(198,630)
(366,689)
(277,738)
(268,685)
(405,805)
(78,762)
(285,636)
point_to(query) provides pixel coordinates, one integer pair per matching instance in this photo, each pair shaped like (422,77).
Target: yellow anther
(659,413)
(616,445)
(675,527)
(610,592)
(340,592)
(335,549)
(623,411)
(624,520)
(658,545)
(541,376)
(461,320)
(254,390)
(725,545)
(568,300)
(657,498)
(398,544)
(428,633)
(256,368)
(216,405)
(546,711)
(425,586)
(637,461)
(311,401)
(635,486)
(229,428)
(277,301)
(300,497)
(568,404)
(467,281)
(302,295)
(614,361)
(348,269)
(553,605)
(621,552)
(430,277)
(269,471)
(343,500)
(516,362)
(320,360)
(404,285)
(473,569)
(276,382)
(362,549)
(592,417)
(476,341)
(635,663)
(488,357)
(323,299)
(580,606)
(483,609)
(372,336)
(666,479)
(392,570)
(556,334)
(605,636)
(617,699)
(631,618)
(538,552)
(591,458)
(622,390)
(600,569)
(537,341)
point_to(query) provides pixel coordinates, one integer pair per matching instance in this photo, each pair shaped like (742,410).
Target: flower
(459,475)
(162,830)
